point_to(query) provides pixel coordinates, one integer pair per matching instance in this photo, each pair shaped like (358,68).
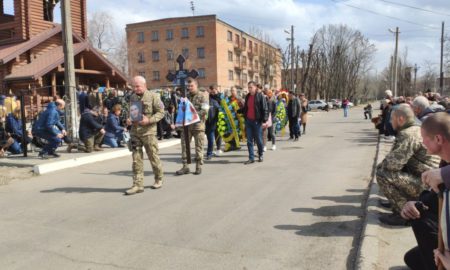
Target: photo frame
(136,111)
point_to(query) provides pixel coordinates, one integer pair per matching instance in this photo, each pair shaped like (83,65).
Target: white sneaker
(220,152)
(274,147)
(390,138)
(264,149)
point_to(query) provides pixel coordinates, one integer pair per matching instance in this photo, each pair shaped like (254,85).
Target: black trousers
(425,230)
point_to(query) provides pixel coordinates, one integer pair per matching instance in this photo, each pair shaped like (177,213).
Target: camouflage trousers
(399,187)
(90,142)
(150,144)
(199,140)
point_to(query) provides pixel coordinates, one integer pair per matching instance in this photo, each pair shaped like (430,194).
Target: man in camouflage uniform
(399,174)
(143,134)
(200,102)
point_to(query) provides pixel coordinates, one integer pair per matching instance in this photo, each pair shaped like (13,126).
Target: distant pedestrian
(293,110)
(368,111)
(345,106)
(304,112)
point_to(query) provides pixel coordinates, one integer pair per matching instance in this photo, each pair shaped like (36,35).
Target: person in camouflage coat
(399,174)
(143,135)
(200,101)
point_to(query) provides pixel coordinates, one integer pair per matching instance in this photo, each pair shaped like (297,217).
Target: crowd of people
(416,171)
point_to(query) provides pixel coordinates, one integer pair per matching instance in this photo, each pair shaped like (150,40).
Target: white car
(317,104)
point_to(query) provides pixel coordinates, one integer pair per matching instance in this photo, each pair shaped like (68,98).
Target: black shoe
(393,220)
(55,154)
(385,204)
(250,161)
(43,155)
(208,157)
(296,139)
(260,159)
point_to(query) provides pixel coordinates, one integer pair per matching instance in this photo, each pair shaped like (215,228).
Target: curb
(75,162)
(368,252)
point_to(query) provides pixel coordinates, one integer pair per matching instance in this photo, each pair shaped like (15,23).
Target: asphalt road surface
(299,209)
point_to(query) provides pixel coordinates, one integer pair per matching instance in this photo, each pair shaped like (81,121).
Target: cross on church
(182,74)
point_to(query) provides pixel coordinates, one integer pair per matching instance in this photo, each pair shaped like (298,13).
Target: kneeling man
(399,174)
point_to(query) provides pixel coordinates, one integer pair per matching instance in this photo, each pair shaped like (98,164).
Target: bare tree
(428,79)
(101,29)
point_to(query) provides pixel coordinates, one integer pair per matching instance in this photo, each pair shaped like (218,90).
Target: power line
(384,15)
(417,8)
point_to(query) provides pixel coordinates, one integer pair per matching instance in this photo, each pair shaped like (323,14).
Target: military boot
(70,147)
(198,169)
(157,184)
(184,170)
(133,190)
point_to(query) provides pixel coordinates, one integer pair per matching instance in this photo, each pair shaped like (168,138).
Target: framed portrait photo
(136,111)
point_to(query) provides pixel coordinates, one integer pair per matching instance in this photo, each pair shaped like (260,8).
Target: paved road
(299,209)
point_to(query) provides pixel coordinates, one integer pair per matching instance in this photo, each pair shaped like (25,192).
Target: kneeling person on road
(143,134)
(399,174)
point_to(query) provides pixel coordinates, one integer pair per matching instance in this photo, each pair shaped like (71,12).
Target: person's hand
(433,179)
(172,126)
(60,135)
(128,122)
(410,211)
(145,121)
(64,132)
(102,131)
(444,258)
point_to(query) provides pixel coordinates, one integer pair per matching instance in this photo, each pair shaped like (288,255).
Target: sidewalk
(70,160)
(382,246)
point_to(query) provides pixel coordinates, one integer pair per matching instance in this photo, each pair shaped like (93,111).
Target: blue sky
(420,31)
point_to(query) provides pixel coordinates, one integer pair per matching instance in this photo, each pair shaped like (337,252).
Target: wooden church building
(31,52)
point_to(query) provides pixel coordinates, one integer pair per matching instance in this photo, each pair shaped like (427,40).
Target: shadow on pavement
(324,229)
(343,199)
(332,211)
(398,268)
(86,190)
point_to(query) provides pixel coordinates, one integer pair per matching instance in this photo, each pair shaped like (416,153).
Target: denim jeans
(345,111)
(254,133)
(210,136)
(294,128)
(15,148)
(111,142)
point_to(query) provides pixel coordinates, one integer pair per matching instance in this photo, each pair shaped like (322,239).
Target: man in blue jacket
(14,128)
(50,128)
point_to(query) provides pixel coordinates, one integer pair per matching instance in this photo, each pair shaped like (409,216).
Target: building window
(169,34)
(244,43)
(244,78)
(244,60)
(230,75)
(229,36)
(250,45)
(201,52)
(141,37)
(256,47)
(155,55)
(200,31)
(155,35)
(256,65)
(184,33)
(142,73)
(170,55)
(156,75)
(256,79)
(201,73)
(230,56)
(185,53)
(141,57)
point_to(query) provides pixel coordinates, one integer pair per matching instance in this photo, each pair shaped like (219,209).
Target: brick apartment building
(222,54)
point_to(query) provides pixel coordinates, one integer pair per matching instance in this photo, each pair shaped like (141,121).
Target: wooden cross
(182,74)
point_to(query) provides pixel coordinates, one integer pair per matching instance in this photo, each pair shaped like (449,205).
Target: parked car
(336,103)
(317,104)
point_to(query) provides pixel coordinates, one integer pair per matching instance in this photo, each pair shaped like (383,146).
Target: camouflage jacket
(153,108)
(408,153)
(199,100)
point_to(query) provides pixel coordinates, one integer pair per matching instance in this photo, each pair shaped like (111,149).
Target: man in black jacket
(293,110)
(91,130)
(256,113)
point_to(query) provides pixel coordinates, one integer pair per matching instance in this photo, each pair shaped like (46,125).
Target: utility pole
(292,59)
(415,76)
(392,73)
(441,79)
(395,60)
(69,69)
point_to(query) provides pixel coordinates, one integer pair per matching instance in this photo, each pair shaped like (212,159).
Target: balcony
(237,47)
(237,65)
(250,54)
